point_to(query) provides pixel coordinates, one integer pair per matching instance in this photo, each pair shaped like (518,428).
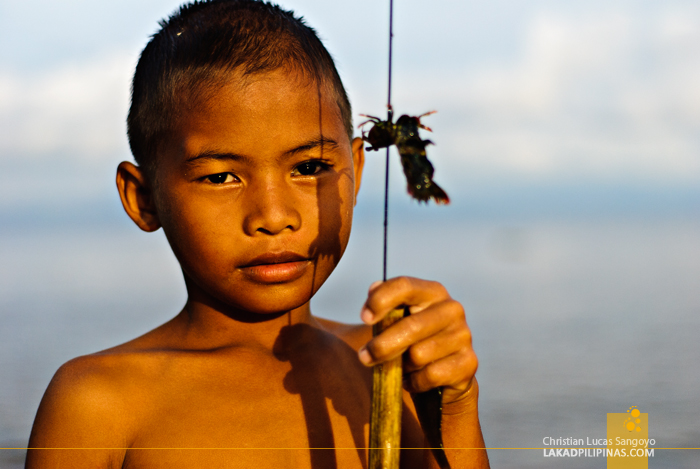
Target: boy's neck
(206,327)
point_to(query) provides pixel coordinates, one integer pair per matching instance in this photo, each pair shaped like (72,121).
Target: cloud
(77,110)
(607,95)
(598,93)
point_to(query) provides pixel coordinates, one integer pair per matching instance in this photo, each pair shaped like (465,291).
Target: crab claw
(425,126)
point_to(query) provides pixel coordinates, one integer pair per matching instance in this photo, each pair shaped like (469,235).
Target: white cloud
(78,110)
(597,93)
(609,95)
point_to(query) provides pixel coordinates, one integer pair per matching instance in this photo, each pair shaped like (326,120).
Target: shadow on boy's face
(328,245)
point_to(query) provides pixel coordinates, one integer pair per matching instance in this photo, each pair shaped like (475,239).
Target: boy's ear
(358,159)
(137,196)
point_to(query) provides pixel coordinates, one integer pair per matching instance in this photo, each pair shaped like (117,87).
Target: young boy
(242,133)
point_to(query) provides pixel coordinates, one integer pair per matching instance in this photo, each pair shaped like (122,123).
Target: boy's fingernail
(366,315)
(375,285)
(364,356)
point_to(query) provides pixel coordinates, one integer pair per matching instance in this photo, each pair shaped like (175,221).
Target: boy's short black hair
(201,45)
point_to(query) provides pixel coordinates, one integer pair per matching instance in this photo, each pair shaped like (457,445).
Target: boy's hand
(435,337)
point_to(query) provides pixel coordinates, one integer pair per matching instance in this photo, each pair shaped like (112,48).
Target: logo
(632,423)
(628,440)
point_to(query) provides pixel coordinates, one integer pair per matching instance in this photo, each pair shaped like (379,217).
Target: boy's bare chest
(223,412)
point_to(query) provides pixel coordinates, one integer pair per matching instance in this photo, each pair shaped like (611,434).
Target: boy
(242,132)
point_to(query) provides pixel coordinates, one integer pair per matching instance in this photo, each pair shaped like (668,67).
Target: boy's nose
(272,210)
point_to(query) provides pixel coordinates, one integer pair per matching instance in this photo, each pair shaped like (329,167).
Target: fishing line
(390,115)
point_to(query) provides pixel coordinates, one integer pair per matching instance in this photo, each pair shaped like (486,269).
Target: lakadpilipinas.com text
(598,447)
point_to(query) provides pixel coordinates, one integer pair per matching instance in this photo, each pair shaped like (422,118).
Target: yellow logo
(632,423)
(628,440)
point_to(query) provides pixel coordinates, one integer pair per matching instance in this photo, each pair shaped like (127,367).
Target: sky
(540,94)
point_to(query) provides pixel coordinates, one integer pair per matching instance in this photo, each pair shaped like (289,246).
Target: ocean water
(572,317)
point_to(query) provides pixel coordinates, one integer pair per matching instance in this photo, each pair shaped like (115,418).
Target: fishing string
(390,115)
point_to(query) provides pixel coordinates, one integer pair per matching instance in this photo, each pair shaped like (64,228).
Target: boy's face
(255,192)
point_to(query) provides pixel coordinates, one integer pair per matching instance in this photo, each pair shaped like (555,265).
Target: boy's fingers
(436,347)
(453,372)
(366,315)
(400,291)
(447,315)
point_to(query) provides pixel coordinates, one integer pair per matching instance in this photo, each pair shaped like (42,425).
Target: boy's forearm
(461,432)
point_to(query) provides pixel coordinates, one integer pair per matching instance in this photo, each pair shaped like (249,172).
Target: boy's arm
(438,352)
(461,429)
(80,421)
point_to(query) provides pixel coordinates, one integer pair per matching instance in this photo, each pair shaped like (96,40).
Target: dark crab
(416,166)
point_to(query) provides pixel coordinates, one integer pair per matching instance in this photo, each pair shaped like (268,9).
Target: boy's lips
(276,267)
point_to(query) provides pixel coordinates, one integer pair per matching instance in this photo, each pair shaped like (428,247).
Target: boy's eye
(309,168)
(221,178)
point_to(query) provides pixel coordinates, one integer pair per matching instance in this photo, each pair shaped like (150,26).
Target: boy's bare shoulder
(355,335)
(97,401)
(103,381)
(94,401)
(86,405)
(88,384)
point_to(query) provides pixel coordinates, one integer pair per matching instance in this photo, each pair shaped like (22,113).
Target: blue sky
(540,94)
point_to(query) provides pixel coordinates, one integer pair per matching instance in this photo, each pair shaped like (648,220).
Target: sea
(573,316)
